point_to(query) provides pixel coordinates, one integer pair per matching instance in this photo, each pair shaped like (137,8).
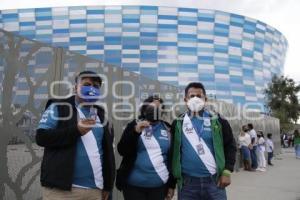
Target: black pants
(270,156)
(141,193)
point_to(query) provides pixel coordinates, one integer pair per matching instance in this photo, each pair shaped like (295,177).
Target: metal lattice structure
(29,71)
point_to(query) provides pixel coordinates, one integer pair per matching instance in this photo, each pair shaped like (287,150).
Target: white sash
(193,138)
(155,155)
(90,145)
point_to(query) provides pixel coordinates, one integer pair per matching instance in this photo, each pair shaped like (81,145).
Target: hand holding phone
(93,113)
(141,125)
(85,125)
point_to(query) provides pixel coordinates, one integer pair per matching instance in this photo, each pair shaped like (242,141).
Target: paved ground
(280,182)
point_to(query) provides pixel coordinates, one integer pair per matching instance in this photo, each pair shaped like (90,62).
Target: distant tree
(283,101)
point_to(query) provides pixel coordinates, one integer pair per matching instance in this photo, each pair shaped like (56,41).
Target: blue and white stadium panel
(233,55)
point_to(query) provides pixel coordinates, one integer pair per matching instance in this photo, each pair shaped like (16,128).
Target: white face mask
(195,104)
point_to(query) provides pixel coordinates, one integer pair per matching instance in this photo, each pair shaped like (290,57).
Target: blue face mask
(89,93)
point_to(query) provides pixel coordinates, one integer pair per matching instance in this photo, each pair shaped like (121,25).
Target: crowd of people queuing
(288,140)
(253,146)
(291,140)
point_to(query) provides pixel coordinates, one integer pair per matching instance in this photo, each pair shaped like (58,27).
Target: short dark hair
(261,133)
(89,74)
(149,100)
(194,85)
(244,127)
(250,126)
(269,135)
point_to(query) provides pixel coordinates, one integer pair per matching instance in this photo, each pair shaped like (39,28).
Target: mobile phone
(148,131)
(93,113)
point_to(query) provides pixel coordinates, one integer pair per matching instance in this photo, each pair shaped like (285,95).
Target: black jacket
(127,147)
(60,148)
(229,143)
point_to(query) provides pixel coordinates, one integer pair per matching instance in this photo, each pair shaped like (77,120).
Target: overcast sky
(284,15)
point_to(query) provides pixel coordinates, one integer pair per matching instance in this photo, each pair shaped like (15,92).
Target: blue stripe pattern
(152,40)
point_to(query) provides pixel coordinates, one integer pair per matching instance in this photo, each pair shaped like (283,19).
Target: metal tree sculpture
(14,62)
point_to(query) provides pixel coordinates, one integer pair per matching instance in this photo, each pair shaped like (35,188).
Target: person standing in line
(297,143)
(285,140)
(270,148)
(78,161)
(253,151)
(144,173)
(261,152)
(244,140)
(203,151)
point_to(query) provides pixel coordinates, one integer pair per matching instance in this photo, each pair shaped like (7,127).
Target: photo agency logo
(122,100)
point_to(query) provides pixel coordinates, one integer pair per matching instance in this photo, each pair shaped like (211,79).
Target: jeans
(245,152)
(253,157)
(297,150)
(201,188)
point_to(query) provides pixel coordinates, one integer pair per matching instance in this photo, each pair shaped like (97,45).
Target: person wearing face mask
(261,160)
(78,161)
(244,140)
(144,172)
(253,151)
(270,148)
(203,151)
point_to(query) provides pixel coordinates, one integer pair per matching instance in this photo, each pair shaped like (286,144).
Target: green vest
(218,149)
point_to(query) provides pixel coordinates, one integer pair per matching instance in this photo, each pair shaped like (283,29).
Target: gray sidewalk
(280,182)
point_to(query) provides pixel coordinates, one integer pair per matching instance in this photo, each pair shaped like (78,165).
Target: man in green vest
(203,151)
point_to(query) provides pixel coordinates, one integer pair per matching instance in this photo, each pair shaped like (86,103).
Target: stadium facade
(234,56)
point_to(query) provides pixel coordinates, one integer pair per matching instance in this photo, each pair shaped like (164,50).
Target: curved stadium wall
(233,55)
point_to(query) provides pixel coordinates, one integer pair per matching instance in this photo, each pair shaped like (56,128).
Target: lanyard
(200,131)
(195,123)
